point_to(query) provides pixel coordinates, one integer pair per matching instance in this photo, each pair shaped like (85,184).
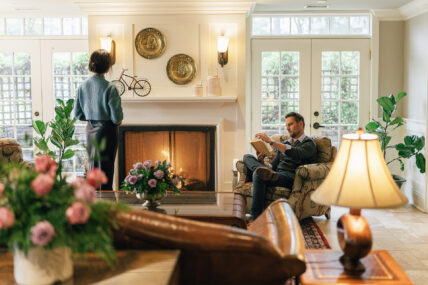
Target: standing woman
(98,102)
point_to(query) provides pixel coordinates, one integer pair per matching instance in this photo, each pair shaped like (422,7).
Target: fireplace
(190,149)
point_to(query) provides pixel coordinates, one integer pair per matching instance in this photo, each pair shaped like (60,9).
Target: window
(15,100)
(67,26)
(303,25)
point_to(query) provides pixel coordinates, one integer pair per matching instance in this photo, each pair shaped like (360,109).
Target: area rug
(314,237)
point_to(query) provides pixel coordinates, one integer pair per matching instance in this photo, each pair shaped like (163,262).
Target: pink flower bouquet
(40,209)
(150,178)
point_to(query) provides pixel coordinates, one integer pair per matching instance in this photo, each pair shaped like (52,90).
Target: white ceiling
(49,7)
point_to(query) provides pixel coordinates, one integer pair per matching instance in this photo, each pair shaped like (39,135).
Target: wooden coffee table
(323,267)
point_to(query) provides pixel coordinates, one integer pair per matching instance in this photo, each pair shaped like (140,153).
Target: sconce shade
(359,177)
(106,43)
(222,50)
(109,45)
(222,44)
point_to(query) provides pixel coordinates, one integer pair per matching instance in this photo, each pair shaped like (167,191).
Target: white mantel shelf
(211,99)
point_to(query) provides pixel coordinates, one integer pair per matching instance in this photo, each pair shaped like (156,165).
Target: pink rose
(85,193)
(132,179)
(147,164)
(96,177)
(1,188)
(152,183)
(7,218)
(158,174)
(138,165)
(42,185)
(79,181)
(78,213)
(42,233)
(45,163)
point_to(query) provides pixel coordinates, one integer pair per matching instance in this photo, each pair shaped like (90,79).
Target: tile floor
(403,232)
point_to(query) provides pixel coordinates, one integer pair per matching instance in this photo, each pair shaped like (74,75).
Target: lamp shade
(359,177)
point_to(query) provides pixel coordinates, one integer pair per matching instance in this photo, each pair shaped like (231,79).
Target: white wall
(196,36)
(415,105)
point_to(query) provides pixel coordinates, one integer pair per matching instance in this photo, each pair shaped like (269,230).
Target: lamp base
(355,239)
(352,266)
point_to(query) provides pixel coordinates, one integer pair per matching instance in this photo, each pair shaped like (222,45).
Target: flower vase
(42,266)
(151,204)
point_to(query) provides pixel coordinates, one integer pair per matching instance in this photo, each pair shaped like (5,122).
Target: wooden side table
(323,267)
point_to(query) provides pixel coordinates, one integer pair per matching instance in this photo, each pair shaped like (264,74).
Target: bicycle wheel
(142,88)
(120,86)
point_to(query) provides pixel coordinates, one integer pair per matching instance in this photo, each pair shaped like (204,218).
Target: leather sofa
(269,252)
(308,178)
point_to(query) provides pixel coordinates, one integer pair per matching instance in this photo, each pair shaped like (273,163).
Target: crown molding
(388,14)
(414,8)
(110,7)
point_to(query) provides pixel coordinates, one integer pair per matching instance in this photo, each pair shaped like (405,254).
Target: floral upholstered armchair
(10,150)
(308,178)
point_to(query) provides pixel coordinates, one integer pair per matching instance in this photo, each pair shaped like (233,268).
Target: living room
(388,36)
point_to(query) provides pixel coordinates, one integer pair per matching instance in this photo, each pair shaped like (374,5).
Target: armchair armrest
(313,171)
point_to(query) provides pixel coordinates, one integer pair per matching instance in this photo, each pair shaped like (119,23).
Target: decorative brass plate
(150,43)
(181,69)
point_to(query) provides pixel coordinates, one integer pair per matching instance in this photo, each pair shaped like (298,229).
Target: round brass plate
(150,43)
(181,69)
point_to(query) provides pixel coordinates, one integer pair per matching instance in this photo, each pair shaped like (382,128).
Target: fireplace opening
(190,149)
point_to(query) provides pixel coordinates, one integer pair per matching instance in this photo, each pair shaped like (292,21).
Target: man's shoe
(266,174)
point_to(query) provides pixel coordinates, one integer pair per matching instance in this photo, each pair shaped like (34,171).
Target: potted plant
(411,145)
(151,182)
(43,219)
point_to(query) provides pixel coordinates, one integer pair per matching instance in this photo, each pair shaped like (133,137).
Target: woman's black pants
(96,131)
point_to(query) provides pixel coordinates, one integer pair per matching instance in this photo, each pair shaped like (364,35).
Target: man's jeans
(286,179)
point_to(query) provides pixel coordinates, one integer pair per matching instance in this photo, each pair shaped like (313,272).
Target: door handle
(317,125)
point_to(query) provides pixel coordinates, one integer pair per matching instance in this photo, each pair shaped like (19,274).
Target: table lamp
(359,178)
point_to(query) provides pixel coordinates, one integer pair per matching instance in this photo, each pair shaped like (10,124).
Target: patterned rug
(314,238)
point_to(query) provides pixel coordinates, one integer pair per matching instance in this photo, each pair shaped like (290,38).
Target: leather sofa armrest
(314,171)
(279,225)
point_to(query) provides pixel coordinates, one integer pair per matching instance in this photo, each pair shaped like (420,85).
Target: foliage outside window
(49,26)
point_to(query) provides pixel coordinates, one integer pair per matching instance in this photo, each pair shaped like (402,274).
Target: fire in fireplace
(190,149)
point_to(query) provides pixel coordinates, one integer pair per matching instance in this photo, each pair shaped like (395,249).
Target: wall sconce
(222,50)
(109,45)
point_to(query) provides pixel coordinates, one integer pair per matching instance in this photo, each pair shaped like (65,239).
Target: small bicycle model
(140,87)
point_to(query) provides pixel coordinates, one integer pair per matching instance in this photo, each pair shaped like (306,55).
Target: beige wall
(416,67)
(195,35)
(391,47)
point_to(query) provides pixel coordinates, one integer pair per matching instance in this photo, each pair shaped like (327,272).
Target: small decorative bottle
(213,86)
(198,90)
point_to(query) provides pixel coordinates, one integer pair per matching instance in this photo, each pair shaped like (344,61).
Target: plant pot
(150,203)
(42,266)
(399,180)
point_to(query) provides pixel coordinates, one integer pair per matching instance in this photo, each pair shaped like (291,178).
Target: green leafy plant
(61,134)
(411,145)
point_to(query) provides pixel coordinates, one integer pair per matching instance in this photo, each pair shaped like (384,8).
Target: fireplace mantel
(211,99)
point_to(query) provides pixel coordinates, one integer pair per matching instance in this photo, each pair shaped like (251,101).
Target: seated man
(290,154)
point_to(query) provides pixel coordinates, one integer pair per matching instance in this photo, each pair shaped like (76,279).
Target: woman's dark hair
(297,117)
(100,61)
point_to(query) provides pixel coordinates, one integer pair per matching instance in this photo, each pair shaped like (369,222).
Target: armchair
(10,150)
(308,178)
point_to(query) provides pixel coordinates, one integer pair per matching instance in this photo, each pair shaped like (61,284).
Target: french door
(326,80)
(20,91)
(65,66)
(33,74)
